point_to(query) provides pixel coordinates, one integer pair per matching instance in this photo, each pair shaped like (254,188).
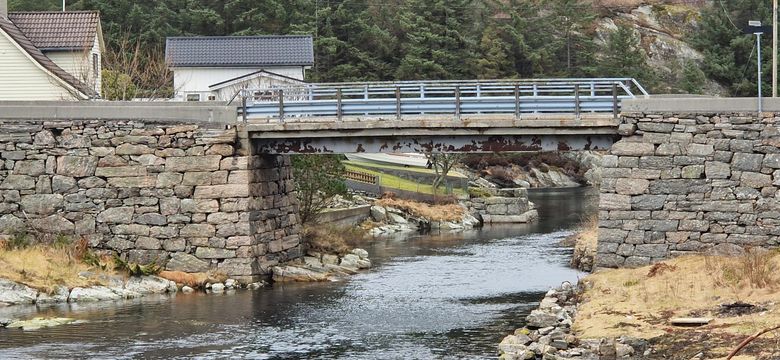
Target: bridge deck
(592,124)
(478,133)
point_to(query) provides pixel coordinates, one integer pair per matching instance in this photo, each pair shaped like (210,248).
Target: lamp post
(755,28)
(774,48)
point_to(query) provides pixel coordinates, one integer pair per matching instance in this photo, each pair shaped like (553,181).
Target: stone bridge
(189,187)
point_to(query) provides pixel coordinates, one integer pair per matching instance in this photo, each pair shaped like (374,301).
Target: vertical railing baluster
(422,96)
(281,105)
(243,105)
(457,102)
(615,100)
(536,96)
(577,101)
(398,102)
(365,97)
(338,104)
(517,101)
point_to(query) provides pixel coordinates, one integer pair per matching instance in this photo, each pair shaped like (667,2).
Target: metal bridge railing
(456,98)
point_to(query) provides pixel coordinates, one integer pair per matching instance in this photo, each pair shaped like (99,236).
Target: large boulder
(541,319)
(296,274)
(378,213)
(12,293)
(92,294)
(149,285)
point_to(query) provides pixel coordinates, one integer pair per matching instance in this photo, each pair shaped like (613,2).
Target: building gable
(34,55)
(23,78)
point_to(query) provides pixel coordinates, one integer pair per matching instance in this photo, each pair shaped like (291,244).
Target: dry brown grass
(46,267)
(193,280)
(585,241)
(640,302)
(449,212)
(330,239)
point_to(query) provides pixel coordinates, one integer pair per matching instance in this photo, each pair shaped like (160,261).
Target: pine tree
(623,56)
(569,52)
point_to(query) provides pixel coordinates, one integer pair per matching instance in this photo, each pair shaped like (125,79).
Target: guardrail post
(457,102)
(517,101)
(615,100)
(397,102)
(281,105)
(338,104)
(577,101)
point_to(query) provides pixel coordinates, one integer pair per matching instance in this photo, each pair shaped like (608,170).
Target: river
(427,296)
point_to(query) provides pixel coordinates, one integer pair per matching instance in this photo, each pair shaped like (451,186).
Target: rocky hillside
(665,28)
(534,170)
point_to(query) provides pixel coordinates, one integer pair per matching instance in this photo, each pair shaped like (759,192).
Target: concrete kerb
(699,105)
(200,112)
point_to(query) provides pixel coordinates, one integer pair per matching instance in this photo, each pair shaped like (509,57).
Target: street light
(754,27)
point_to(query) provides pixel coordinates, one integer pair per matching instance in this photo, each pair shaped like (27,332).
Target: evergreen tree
(623,56)
(729,55)
(569,50)
(693,78)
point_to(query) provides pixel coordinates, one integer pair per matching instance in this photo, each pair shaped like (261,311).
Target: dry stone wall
(680,182)
(189,197)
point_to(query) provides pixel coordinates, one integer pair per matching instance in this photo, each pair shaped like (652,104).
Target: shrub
(331,239)
(134,269)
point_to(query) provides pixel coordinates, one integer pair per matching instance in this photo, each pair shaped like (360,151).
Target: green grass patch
(380,167)
(395,182)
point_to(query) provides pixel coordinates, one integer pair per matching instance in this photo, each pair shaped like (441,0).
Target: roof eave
(174,65)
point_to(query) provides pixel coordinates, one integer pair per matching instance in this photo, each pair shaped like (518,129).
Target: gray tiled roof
(18,36)
(50,30)
(240,51)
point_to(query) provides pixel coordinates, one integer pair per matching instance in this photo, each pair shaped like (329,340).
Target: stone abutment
(689,180)
(190,196)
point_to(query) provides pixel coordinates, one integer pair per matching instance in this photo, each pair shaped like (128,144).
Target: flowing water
(427,296)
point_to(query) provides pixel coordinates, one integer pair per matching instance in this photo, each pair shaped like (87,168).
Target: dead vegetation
(444,212)
(331,239)
(640,302)
(584,242)
(46,265)
(193,280)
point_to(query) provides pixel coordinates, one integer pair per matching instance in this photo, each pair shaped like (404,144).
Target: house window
(193,97)
(95,66)
(212,97)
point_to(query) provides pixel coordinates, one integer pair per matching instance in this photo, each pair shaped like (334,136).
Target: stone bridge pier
(169,184)
(690,175)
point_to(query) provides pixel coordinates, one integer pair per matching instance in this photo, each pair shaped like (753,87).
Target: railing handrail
(410,85)
(456,97)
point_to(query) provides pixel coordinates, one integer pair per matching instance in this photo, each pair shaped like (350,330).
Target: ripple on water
(429,297)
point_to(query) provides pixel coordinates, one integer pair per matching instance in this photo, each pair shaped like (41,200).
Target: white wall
(22,79)
(79,64)
(198,79)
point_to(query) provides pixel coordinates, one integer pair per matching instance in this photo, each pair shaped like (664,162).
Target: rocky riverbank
(548,334)
(317,266)
(393,219)
(117,288)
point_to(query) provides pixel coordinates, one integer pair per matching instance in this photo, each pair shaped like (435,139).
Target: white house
(50,55)
(216,67)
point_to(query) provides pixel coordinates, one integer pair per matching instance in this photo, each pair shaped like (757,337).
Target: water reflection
(429,296)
